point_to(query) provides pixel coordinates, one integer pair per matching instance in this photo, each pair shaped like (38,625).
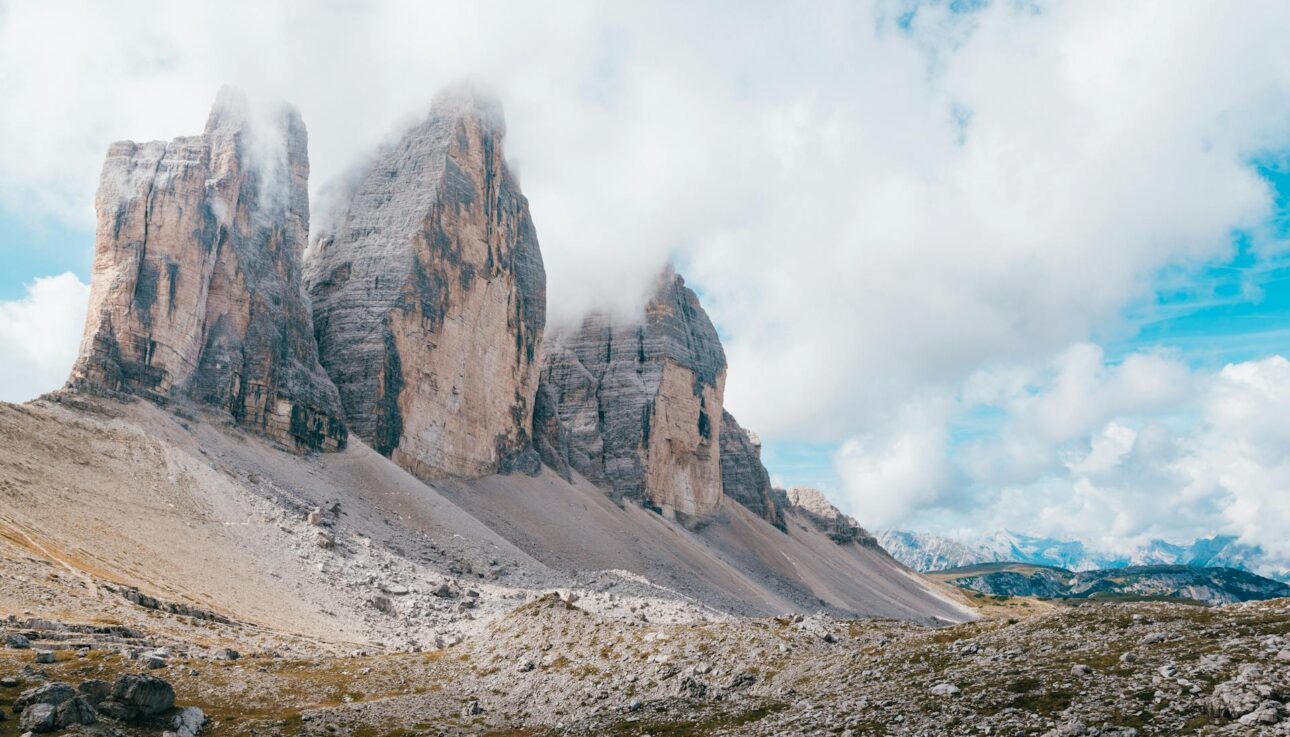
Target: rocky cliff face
(195,290)
(811,505)
(743,477)
(641,404)
(429,298)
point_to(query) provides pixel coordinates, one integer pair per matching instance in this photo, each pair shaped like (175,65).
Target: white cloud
(899,206)
(39,336)
(878,218)
(1112,455)
(889,475)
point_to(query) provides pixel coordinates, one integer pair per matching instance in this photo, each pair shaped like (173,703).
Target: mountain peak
(467,99)
(195,291)
(430,298)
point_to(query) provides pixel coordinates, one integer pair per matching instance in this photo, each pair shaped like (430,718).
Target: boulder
(53,694)
(38,718)
(146,695)
(76,710)
(188,722)
(945,689)
(53,706)
(95,691)
(1239,697)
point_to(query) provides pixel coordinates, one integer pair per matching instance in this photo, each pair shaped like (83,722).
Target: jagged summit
(470,100)
(195,291)
(429,298)
(231,110)
(642,402)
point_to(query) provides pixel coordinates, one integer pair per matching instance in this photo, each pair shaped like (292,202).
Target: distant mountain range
(1212,585)
(926,552)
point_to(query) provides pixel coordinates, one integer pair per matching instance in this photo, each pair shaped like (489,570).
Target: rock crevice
(429,298)
(195,292)
(639,406)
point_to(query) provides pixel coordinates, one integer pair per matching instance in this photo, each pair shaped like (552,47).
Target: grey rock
(76,710)
(691,687)
(95,691)
(117,710)
(144,693)
(16,641)
(1073,728)
(429,298)
(383,604)
(743,477)
(1238,697)
(44,656)
(39,718)
(196,290)
(741,680)
(188,722)
(946,689)
(1268,712)
(641,402)
(53,694)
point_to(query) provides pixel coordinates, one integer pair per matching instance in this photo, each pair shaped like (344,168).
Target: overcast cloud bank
(900,216)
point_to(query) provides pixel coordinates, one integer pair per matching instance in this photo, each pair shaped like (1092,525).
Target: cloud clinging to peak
(893,209)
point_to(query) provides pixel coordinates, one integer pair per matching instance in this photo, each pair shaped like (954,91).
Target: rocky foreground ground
(551,668)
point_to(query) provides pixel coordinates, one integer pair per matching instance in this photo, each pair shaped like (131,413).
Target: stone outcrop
(811,505)
(743,477)
(429,298)
(196,286)
(642,403)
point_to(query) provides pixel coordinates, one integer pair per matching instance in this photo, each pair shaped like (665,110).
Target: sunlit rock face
(196,285)
(641,404)
(429,298)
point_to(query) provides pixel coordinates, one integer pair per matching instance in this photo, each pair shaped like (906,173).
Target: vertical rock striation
(429,298)
(196,286)
(743,477)
(640,405)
